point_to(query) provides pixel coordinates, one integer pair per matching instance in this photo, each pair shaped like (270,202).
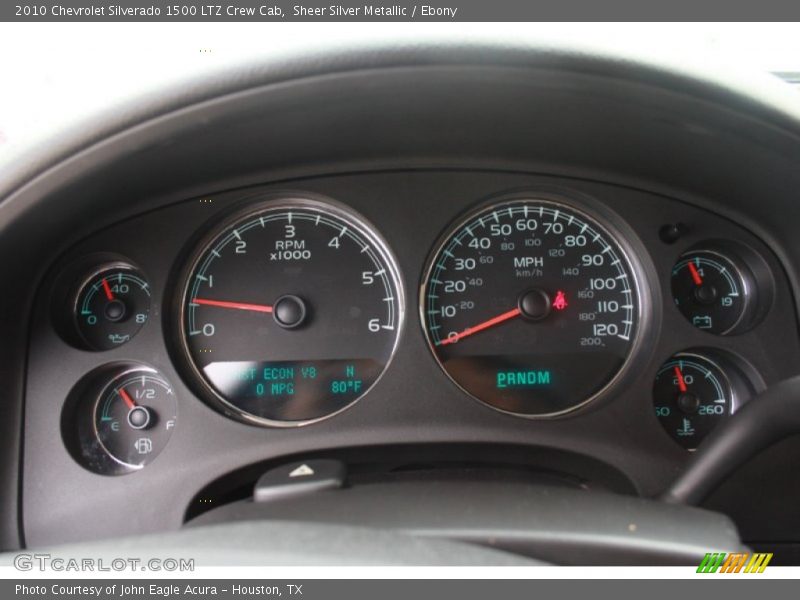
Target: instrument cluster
(286,309)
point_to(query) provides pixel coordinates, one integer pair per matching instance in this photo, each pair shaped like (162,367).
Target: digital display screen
(292,390)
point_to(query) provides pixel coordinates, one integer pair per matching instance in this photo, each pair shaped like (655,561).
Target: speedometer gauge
(531,306)
(290,312)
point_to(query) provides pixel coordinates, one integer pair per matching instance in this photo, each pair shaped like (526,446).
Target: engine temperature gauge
(693,393)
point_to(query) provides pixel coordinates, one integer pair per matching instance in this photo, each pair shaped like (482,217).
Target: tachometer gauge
(531,306)
(290,312)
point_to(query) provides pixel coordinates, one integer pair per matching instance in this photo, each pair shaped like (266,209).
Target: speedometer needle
(480,327)
(240,305)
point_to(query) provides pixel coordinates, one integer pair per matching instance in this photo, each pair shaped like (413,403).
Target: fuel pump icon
(143,445)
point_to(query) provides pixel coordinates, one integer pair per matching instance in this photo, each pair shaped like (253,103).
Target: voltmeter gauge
(111,306)
(714,291)
(694,392)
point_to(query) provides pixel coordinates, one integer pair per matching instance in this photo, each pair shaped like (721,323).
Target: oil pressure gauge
(111,306)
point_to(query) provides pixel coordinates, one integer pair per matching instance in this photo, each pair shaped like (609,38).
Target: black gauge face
(711,291)
(112,306)
(134,417)
(692,395)
(531,306)
(291,312)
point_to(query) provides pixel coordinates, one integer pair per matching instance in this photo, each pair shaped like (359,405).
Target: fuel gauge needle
(126,397)
(238,305)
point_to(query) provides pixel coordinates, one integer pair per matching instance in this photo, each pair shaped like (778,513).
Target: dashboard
(303,318)
(484,262)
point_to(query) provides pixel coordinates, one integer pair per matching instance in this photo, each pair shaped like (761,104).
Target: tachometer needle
(698,281)
(681,382)
(127,398)
(107,290)
(239,305)
(485,325)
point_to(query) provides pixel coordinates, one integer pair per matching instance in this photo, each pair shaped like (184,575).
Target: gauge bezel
(251,208)
(616,231)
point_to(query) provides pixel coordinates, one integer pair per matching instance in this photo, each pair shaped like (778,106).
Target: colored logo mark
(735,562)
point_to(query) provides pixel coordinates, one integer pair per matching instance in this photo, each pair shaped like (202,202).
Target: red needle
(485,325)
(681,382)
(126,397)
(695,274)
(240,305)
(107,289)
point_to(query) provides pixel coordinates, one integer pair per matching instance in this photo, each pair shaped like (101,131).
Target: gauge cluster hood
(466,100)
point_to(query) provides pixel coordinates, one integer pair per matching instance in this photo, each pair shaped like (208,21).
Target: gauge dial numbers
(692,395)
(111,306)
(531,306)
(291,312)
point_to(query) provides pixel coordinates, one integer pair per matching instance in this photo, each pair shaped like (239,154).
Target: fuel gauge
(134,417)
(119,418)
